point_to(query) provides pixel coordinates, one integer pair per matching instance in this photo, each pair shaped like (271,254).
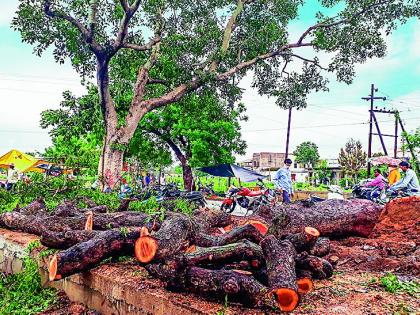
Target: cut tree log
(86,255)
(319,267)
(321,247)
(333,218)
(248,232)
(304,240)
(124,205)
(64,240)
(176,234)
(235,252)
(211,218)
(38,224)
(280,261)
(36,207)
(106,221)
(66,209)
(213,283)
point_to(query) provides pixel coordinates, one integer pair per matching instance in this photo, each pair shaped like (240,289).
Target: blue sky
(29,84)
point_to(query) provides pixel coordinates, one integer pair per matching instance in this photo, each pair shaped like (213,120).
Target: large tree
(352,158)
(185,45)
(307,153)
(199,130)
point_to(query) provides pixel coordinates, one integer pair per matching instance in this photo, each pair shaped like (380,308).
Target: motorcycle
(247,199)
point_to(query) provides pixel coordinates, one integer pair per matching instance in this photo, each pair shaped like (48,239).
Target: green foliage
(307,153)
(23,294)
(322,172)
(392,284)
(198,54)
(352,158)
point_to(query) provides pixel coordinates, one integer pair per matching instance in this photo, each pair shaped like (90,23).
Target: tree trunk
(280,260)
(210,218)
(333,218)
(188,177)
(112,165)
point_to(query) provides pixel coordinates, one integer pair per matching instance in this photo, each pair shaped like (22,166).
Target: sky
(30,84)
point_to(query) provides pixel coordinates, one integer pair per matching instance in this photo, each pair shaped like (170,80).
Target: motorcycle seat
(255,193)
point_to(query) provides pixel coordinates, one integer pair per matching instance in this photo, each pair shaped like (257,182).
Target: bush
(23,294)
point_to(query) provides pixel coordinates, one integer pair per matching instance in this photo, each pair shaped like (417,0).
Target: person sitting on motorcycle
(283,181)
(409,184)
(377,184)
(394,175)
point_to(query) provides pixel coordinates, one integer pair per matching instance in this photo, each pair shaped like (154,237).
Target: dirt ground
(355,287)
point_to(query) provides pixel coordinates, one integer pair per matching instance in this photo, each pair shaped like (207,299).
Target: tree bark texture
(333,218)
(86,255)
(319,267)
(235,252)
(321,247)
(213,283)
(35,207)
(38,224)
(175,234)
(211,218)
(64,240)
(248,232)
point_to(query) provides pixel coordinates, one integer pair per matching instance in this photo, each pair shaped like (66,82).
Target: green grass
(22,293)
(392,284)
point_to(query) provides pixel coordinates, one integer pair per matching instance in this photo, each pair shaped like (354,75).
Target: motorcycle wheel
(228,208)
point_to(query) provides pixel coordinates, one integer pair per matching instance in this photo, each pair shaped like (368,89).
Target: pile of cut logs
(267,260)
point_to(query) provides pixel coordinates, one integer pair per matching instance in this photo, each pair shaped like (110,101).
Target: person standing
(12,177)
(409,183)
(283,181)
(394,175)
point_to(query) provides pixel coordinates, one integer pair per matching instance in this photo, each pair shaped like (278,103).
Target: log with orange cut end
(280,256)
(305,285)
(145,246)
(261,226)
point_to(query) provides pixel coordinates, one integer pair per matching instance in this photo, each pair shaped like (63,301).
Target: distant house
(334,167)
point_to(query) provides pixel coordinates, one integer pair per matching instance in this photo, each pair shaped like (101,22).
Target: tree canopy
(352,157)
(181,46)
(307,153)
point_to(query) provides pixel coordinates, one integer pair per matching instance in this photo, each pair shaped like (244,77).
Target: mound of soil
(400,220)
(394,244)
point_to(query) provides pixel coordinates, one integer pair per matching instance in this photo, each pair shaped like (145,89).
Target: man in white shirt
(12,177)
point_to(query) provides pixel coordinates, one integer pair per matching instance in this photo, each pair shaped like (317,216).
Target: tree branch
(129,12)
(145,47)
(308,60)
(94,46)
(228,31)
(342,21)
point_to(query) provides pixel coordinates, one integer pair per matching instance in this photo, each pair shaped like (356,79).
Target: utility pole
(372,117)
(288,132)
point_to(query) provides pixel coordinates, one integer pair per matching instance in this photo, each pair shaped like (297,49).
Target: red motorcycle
(246,198)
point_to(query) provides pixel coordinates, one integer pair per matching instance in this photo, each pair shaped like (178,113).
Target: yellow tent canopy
(23,162)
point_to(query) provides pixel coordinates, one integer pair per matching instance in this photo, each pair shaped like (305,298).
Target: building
(267,161)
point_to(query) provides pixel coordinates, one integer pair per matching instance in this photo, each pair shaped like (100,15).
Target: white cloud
(7,11)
